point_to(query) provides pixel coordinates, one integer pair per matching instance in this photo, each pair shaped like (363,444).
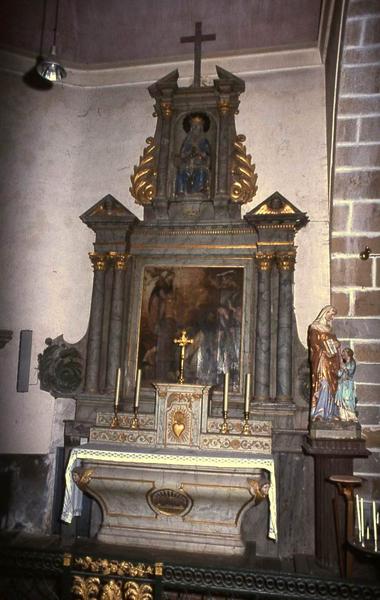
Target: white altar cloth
(71,508)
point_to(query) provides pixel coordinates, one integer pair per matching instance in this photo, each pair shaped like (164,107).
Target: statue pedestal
(332,456)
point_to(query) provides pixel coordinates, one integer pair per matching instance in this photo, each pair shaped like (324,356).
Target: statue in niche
(346,394)
(193,173)
(325,363)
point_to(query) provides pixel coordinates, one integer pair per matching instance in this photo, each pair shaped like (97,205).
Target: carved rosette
(264,261)
(243,187)
(286,261)
(98,260)
(144,178)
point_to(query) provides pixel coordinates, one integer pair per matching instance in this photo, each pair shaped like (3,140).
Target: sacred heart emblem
(178,429)
(178,426)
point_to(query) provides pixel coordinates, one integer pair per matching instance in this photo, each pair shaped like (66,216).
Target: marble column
(163,160)
(99,263)
(263,327)
(285,263)
(114,340)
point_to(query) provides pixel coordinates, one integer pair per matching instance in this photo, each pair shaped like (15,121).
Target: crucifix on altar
(182,342)
(197,39)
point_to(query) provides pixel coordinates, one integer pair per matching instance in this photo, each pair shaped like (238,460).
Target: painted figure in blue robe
(325,363)
(194,161)
(345,397)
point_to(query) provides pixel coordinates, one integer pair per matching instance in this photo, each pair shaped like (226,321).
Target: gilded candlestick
(246,430)
(224,427)
(135,423)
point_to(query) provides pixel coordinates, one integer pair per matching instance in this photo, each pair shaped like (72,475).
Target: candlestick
(117,389)
(358,517)
(247,392)
(224,427)
(137,390)
(225,392)
(374,523)
(362,518)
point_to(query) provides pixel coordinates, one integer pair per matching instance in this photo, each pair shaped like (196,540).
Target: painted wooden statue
(332,387)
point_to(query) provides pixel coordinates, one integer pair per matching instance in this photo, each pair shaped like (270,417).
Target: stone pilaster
(263,325)
(165,107)
(99,263)
(285,263)
(119,262)
(225,112)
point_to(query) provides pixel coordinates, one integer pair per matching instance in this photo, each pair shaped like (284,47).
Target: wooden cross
(182,342)
(198,38)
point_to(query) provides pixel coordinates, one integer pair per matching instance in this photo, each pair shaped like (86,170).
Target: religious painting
(205,301)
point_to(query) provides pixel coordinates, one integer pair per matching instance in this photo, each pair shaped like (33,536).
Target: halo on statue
(196,116)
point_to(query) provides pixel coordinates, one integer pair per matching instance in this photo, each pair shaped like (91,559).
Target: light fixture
(50,68)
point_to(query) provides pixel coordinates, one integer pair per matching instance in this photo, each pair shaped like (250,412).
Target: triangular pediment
(107,208)
(276,204)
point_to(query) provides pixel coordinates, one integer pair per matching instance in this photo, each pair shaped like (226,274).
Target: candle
(247,392)
(358,517)
(137,390)
(374,523)
(117,389)
(367,532)
(225,394)
(362,517)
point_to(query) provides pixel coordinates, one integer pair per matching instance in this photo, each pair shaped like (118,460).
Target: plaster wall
(64,149)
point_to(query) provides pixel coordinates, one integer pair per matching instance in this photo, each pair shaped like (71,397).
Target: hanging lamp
(50,68)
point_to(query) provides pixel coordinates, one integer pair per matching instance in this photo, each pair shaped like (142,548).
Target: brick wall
(356,219)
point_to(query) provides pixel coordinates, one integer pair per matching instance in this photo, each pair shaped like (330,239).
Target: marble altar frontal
(181,463)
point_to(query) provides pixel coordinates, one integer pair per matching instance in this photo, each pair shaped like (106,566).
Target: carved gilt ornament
(244,178)
(144,176)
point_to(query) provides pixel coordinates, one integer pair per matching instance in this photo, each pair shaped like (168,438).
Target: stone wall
(356,219)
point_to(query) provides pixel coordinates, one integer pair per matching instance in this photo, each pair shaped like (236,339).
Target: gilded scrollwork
(144,176)
(82,478)
(243,187)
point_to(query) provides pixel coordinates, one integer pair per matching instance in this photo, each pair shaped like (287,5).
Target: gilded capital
(285,261)
(166,107)
(224,107)
(264,261)
(99,261)
(119,260)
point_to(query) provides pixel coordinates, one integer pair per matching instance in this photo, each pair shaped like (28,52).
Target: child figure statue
(345,397)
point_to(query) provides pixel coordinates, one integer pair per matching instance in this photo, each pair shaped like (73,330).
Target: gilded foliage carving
(85,588)
(112,591)
(134,591)
(90,588)
(113,567)
(243,187)
(144,176)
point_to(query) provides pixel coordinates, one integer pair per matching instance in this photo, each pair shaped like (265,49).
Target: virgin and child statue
(194,160)
(333,396)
